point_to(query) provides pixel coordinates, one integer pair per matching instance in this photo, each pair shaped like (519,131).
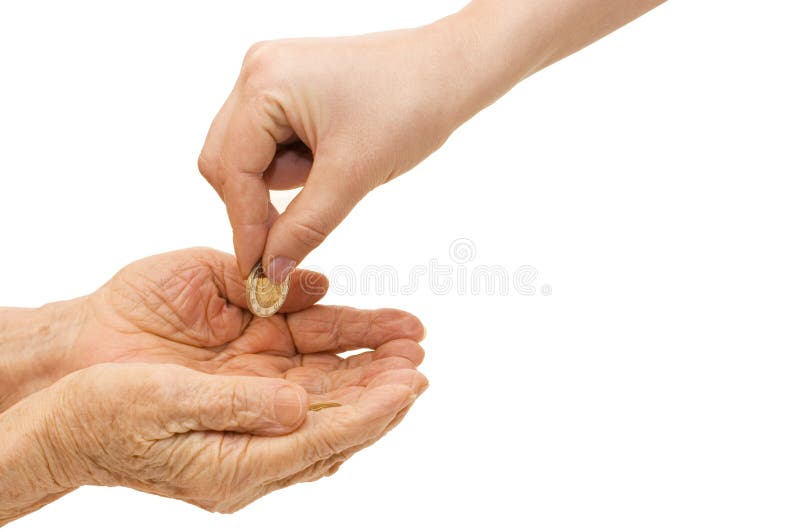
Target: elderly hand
(188,308)
(173,388)
(218,442)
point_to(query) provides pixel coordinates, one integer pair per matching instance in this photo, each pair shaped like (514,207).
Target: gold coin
(263,296)
(322,406)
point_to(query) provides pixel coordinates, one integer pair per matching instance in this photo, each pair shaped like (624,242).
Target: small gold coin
(264,297)
(322,406)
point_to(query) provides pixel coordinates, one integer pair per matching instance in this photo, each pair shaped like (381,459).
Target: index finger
(246,152)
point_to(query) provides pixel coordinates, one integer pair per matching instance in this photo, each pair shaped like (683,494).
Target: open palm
(188,308)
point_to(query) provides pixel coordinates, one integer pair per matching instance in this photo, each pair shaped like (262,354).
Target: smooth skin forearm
(501,42)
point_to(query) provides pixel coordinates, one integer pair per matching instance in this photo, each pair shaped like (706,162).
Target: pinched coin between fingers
(264,297)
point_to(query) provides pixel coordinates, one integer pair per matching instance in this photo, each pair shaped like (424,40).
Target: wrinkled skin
(188,307)
(192,438)
(174,388)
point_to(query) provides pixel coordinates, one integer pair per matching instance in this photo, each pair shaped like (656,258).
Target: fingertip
(320,281)
(378,367)
(416,330)
(313,284)
(402,324)
(402,347)
(277,269)
(306,288)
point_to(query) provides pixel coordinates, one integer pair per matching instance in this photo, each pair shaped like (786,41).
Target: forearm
(32,470)
(34,346)
(495,44)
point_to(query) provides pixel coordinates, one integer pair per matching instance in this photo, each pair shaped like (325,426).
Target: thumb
(257,405)
(331,191)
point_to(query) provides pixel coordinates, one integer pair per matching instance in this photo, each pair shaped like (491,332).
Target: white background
(652,180)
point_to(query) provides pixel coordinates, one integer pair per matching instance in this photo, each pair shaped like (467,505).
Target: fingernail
(279,269)
(288,406)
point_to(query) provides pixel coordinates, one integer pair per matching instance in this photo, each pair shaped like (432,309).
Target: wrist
(36,347)
(498,43)
(481,56)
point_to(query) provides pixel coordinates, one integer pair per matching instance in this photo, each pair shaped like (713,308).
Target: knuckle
(207,168)
(262,84)
(239,405)
(259,62)
(254,54)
